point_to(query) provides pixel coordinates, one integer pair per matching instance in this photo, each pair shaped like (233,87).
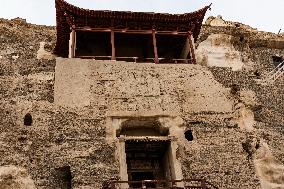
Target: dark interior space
(142,127)
(128,45)
(171,47)
(93,44)
(138,176)
(62,178)
(146,161)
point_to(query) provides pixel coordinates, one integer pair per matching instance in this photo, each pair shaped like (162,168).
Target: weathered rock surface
(269,169)
(43,54)
(12,177)
(67,143)
(218,50)
(218,21)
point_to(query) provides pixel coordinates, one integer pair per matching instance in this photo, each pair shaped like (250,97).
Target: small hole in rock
(28,120)
(256,73)
(235,89)
(188,135)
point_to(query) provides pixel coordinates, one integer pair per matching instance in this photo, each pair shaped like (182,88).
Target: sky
(265,15)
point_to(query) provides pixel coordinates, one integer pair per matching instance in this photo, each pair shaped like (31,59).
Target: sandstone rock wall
(16,178)
(68,135)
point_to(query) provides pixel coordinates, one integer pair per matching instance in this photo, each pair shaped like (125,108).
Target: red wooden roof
(68,15)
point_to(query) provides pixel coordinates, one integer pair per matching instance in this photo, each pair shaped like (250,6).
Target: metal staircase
(274,74)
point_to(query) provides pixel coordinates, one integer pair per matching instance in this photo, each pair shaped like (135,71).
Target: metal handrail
(277,67)
(278,70)
(275,73)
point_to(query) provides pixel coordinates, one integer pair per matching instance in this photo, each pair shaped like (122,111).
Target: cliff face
(236,122)
(257,104)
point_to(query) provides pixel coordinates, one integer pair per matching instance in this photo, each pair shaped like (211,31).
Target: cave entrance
(148,160)
(147,154)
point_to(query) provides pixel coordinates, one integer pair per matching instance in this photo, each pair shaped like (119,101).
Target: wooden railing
(161,184)
(138,60)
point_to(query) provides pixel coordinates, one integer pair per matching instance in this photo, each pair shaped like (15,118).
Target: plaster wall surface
(118,86)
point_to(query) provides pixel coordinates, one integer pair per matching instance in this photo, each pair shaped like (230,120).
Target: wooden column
(72,44)
(155,46)
(112,45)
(192,47)
(75,43)
(122,162)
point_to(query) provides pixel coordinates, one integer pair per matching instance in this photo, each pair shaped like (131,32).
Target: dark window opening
(28,120)
(63,178)
(172,48)
(188,135)
(130,46)
(90,44)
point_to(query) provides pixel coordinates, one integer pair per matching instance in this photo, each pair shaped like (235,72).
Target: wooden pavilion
(128,36)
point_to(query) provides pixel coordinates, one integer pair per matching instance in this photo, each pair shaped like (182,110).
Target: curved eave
(63,27)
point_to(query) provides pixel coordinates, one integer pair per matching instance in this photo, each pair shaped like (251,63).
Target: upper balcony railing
(138,60)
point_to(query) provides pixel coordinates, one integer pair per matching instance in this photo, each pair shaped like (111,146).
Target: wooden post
(192,48)
(72,43)
(112,45)
(155,46)
(75,43)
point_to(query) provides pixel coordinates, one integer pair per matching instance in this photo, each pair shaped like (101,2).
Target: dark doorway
(63,178)
(146,161)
